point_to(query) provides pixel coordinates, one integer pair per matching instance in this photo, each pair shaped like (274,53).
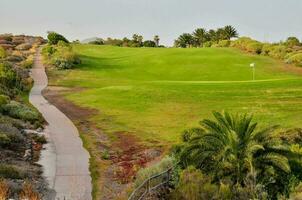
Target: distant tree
(137,40)
(126,42)
(212,35)
(140,40)
(149,43)
(292,41)
(230,32)
(200,36)
(54,38)
(98,41)
(221,34)
(185,40)
(156,40)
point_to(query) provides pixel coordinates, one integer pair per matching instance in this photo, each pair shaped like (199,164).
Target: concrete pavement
(65,162)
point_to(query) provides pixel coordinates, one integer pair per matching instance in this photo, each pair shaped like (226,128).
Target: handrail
(147,186)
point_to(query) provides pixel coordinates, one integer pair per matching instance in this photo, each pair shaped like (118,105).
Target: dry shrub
(4,190)
(28,193)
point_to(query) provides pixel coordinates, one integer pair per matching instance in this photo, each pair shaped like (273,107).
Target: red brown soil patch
(74,112)
(130,156)
(127,153)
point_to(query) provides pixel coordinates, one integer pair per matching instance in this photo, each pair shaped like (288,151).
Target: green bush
(145,173)
(65,58)
(4,140)
(3,100)
(295,58)
(278,51)
(254,47)
(242,43)
(40,139)
(48,51)
(28,63)
(61,56)
(224,43)
(21,111)
(193,185)
(12,133)
(54,38)
(10,171)
(207,44)
(8,77)
(266,49)
(2,52)
(292,41)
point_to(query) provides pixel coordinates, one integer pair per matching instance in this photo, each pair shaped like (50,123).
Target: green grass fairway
(157,93)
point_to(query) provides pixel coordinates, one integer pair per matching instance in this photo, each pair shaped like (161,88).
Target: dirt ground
(115,162)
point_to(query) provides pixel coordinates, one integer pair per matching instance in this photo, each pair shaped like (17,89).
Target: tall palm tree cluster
(232,148)
(201,36)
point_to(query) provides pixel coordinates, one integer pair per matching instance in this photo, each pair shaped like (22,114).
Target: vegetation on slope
(20,144)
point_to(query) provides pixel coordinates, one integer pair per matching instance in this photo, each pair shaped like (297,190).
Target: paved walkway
(65,162)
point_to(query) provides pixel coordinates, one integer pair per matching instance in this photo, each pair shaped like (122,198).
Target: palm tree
(230,32)
(184,40)
(200,36)
(212,35)
(232,147)
(156,40)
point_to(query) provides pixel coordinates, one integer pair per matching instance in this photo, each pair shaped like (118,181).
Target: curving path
(65,162)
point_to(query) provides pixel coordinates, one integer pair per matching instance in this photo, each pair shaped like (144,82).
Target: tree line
(202,37)
(136,41)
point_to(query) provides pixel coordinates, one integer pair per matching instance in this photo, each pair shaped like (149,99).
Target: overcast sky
(265,20)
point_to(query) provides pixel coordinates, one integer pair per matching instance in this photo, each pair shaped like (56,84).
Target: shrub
(11,134)
(2,52)
(28,192)
(254,47)
(241,43)
(292,41)
(28,63)
(149,43)
(10,171)
(54,38)
(266,49)
(224,43)
(40,139)
(4,140)
(278,51)
(15,58)
(65,58)
(3,100)
(8,76)
(48,50)
(145,173)
(23,47)
(4,190)
(20,111)
(193,185)
(207,44)
(295,59)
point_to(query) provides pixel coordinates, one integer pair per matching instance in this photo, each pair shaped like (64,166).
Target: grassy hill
(157,93)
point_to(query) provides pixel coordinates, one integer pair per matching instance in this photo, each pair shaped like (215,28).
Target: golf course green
(156,93)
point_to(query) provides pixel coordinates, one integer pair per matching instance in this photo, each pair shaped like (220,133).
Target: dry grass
(28,192)
(4,190)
